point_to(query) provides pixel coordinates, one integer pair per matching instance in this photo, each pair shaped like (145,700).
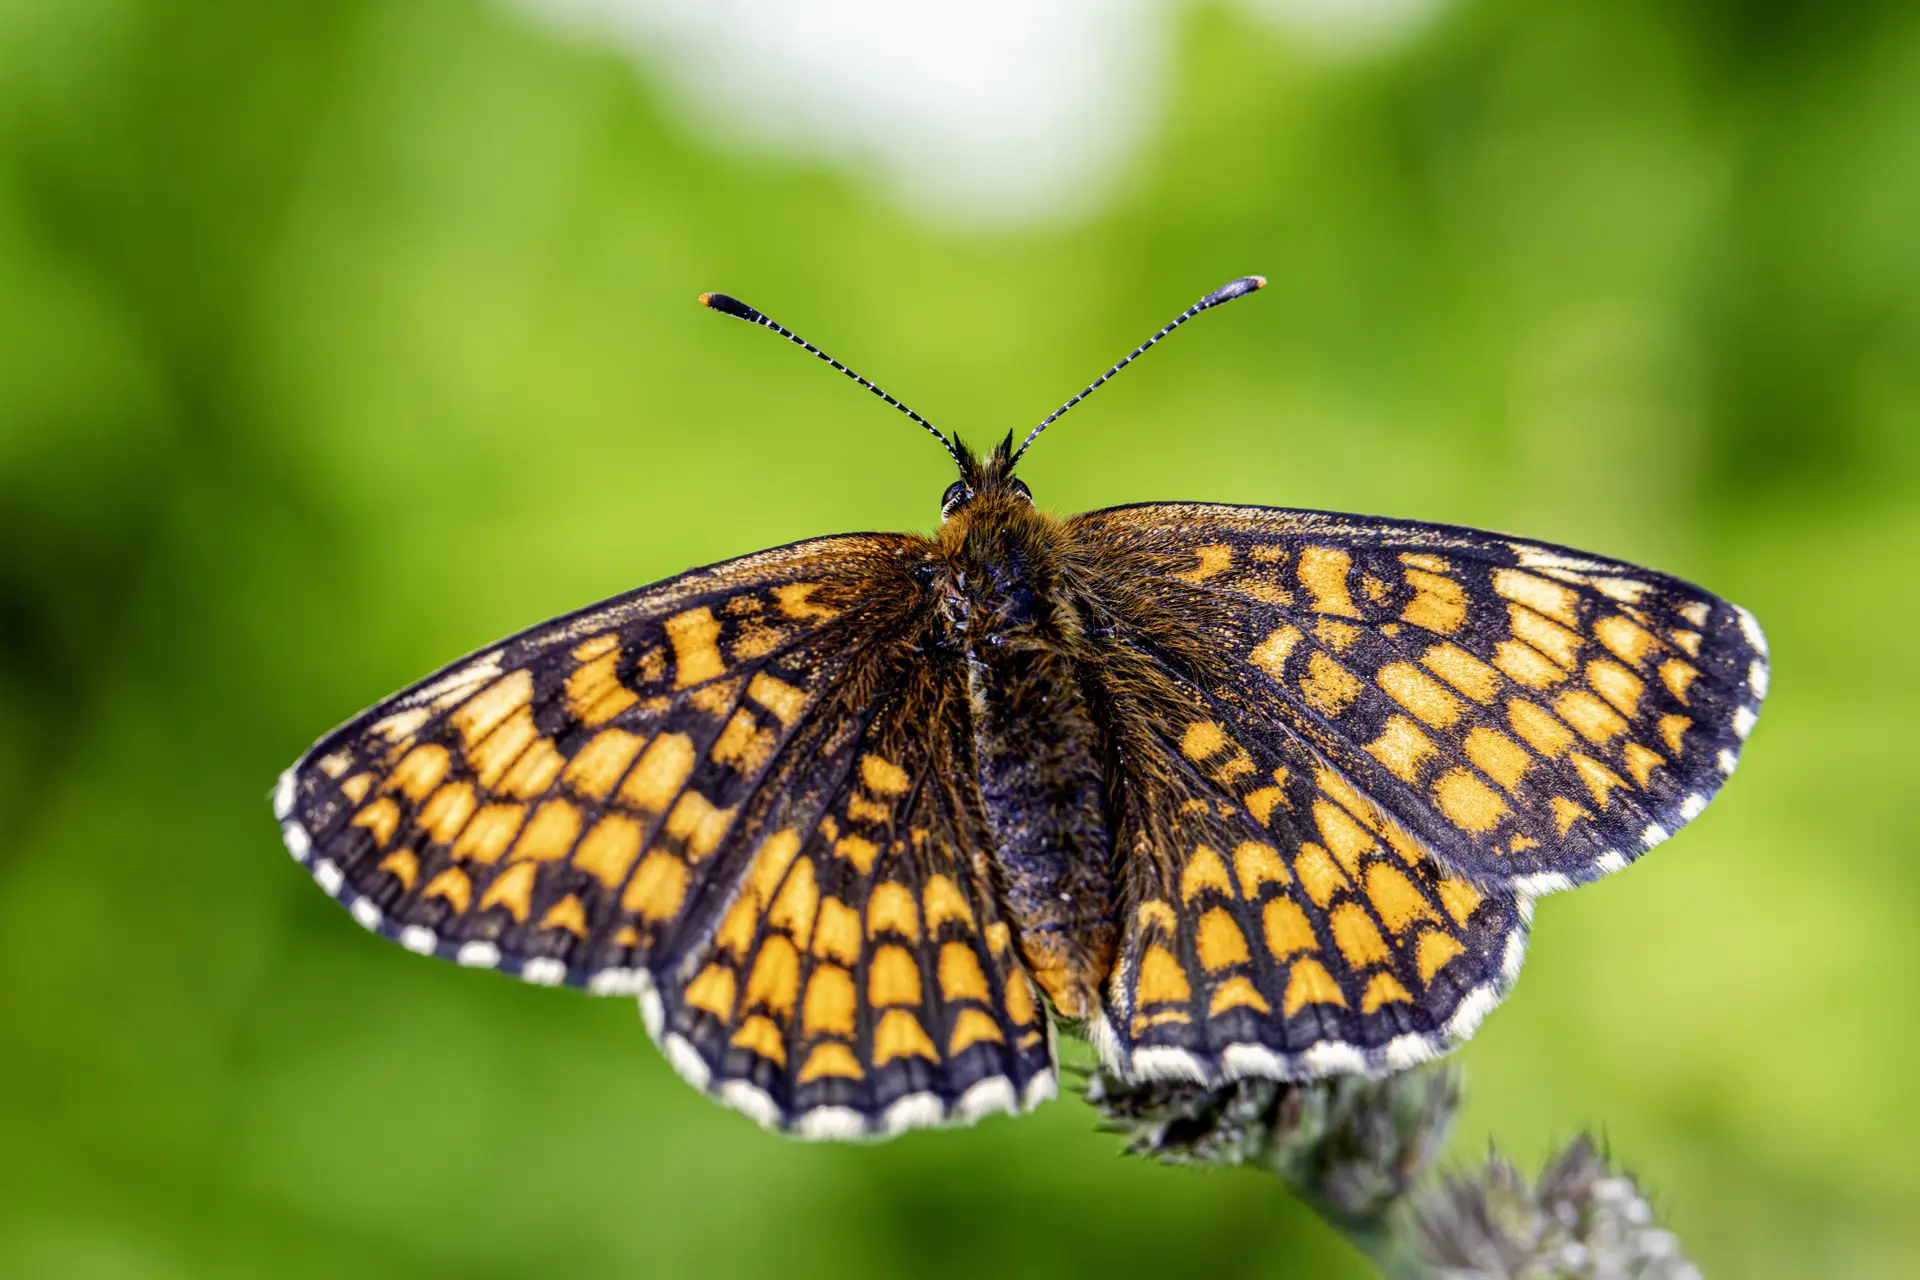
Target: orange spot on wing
(1467,802)
(743,745)
(1202,739)
(857,850)
(659,774)
(1161,979)
(1616,684)
(1549,637)
(836,933)
(1237,993)
(1498,756)
(1319,875)
(694,637)
(1524,664)
(1434,950)
(1323,572)
(1599,779)
(696,821)
(1270,655)
(1419,693)
(453,886)
(549,837)
(1395,899)
(1538,728)
(490,832)
(774,983)
(1256,864)
(960,975)
(379,819)
(944,901)
(776,695)
(1438,603)
(1346,839)
(830,1059)
(796,601)
(1310,983)
(597,766)
(1566,813)
(713,990)
(422,769)
(1459,898)
(1550,599)
(594,692)
(1329,688)
(512,889)
(1383,988)
(1354,934)
(1641,762)
(1463,671)
(403,865)
(658,887)
(1677,676)
(830,1003)
(892,907)
(761,1035)
(566,914)
(1625,639)
(1204,870)
(794,908)
(446,812)
(1288,932)
(1673,729)
(900,1035)
(485,711)
(1220,942)
(970,1028)
(608,850)
(893,978)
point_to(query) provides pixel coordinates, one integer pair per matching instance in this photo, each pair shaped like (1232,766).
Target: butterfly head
(986,477)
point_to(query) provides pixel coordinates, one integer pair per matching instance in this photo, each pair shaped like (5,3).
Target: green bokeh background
(338,338)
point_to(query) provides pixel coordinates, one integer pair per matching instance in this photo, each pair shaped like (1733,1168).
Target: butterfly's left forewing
(556,805)
(1533,716)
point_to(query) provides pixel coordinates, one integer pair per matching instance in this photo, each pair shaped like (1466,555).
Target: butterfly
(1229,791)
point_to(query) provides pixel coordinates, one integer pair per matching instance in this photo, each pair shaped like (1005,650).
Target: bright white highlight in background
(973,111)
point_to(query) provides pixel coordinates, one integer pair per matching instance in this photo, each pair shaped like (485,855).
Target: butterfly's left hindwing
(1533,716)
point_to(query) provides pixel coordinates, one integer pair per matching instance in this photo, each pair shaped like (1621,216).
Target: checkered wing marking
(1534,716)
(862,981)
(1278,924)
(558,805)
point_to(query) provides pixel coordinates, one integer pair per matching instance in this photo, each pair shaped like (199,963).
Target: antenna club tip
(1259,282)
(706,299)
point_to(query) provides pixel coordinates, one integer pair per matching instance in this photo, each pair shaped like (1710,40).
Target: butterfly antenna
(1225,293)
(734,307)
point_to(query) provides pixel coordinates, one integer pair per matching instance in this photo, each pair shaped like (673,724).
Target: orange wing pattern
(863,980)
(647,796)
(1277,923)
(1531,715)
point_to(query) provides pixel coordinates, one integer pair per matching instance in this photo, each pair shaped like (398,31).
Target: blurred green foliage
(340,337)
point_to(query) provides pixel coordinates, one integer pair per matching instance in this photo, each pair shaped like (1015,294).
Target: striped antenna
(1225,293)
(734,307)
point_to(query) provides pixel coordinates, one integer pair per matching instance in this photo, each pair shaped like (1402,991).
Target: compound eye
(956,493)
(1020,490)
